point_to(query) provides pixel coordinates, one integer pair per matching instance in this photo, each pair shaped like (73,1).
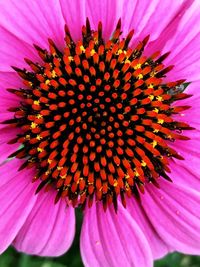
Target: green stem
(24,260)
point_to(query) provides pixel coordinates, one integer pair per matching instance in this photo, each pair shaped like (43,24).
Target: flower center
(96,120)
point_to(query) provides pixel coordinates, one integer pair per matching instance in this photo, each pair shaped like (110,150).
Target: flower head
(96,113)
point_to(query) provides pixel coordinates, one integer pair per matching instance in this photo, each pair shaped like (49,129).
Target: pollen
(39,116)
(156,110)
(33,125)
(120,51)
(154,143)
(115,183)
(53,74)
(82,48)
(151,85)
(138,66)
(36,102)
(160,121)
(70,58)
(159,98)
(47,82)
(143,163)
(151,97)
(97,123)
(140,76)
(38,137)
(92,52)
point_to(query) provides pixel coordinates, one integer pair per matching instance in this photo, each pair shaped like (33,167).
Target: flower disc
(96,119)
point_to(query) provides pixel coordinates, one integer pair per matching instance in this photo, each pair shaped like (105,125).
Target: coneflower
(100,110)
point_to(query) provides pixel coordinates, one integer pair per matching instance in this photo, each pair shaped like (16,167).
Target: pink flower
(104,125)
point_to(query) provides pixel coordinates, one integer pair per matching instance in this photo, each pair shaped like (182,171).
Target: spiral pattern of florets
(96,119)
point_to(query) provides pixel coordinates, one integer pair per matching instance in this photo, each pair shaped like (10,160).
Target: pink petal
(7,150)
(74,15)
(148,17)
(5,179)
(8,100)
(187,61)
(190,116)
(7,133)
(17,198)
(189,149)
(5,115)
(186,173)
(174,211)
(157,245)
(13,55)
(9,80)
(189,167)
(185,54)
(33,21)
(49,229)
(106,11)
(110,239)
(181,37)
(193,89)
(7,103)
(164,40)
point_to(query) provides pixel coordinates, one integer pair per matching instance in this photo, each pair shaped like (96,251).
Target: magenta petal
(181,170)
(17,198)
(167,34)
(184,53)
(158,246)
(6,179)
(106,11)
(193,88)
(33,21)
(7,133)
(74,15)
(13,55)
(7,103)
(9,80)
(186,171)
(181,37)
(174,211)
(7,150)
(148,17)
(110,239)
(49,229)
(185,116)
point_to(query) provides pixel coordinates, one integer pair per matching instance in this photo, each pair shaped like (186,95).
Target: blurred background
(11,258)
